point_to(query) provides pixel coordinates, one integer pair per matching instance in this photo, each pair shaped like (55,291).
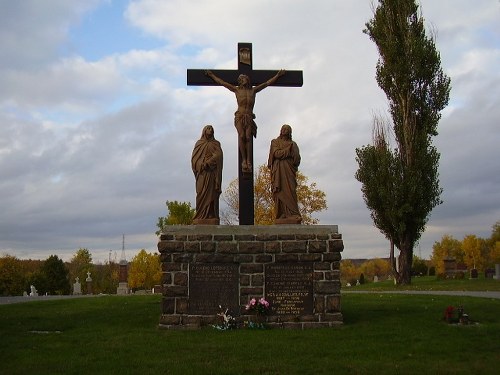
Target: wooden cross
(292,78)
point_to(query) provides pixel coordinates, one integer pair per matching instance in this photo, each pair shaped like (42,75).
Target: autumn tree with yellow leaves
(309,197)
(144,270)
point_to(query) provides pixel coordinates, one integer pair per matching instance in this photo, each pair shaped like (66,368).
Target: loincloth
(244,121)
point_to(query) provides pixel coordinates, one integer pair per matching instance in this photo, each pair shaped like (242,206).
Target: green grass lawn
(432,283)
(382,334)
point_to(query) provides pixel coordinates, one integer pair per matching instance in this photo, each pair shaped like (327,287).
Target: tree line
(473,252)
(53,276)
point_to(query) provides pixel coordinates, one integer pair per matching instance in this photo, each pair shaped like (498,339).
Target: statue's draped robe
(284,159)
(208,180)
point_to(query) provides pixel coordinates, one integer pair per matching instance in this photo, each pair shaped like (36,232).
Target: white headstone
(33,292)
(77,287)
(375,279)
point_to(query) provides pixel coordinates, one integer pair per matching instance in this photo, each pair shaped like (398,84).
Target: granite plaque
(211,285)
(289,288)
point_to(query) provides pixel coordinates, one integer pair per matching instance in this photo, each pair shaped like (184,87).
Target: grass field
(432,283)
(382,334)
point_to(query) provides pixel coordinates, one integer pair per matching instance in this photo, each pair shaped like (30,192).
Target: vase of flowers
(259,307)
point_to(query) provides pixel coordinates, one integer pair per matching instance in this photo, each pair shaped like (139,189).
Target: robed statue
(206,163)
(284,160)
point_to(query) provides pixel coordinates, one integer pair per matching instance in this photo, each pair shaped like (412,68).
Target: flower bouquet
(260,307)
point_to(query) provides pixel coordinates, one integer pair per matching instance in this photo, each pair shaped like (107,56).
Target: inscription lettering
(211,285)
(289,288)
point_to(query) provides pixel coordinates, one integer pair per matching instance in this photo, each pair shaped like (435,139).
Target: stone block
(170,246)
(226,247)
(306,236)
(192,247)
(308,318)
(322,266)
(166,237)
(286,237)
(200,237)
(207,247)
(283,258)
(169,267)
(191,320)
(258,280)
(181,305)
(332,304)
(244,280)
(223,237)
(252,247)
(182,258)
(168,305)
(273,247)
(318,276)
(166,278)
(335,246)
(319,304)
(253,291)
(263,258)
(214,258)
(242,258)
(332,275)
(244,237)
(170,319)
(165,257)
(176,291)
(181,278)
(331,257)
(334,317)
(252,268)
(317,247)
(326,287)
(266,237)
(294,246)
(310,257)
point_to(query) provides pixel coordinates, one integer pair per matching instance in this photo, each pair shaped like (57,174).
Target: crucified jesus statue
(244,116)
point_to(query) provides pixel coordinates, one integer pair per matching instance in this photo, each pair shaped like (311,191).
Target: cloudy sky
(97,124)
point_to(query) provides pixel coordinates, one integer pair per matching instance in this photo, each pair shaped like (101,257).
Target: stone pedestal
(88,280)
(295,267)
(123,278)
(122,288)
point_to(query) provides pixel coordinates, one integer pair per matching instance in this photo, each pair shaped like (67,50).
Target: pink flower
(263,302)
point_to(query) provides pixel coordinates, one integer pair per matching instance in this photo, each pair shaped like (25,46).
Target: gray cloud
(92,149)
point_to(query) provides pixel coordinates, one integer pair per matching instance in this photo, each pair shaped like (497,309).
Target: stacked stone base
(251,249)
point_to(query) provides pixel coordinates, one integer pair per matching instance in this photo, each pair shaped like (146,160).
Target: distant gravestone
(497,271)
(450,266)
(33,292)
(489,273)
(473,273)
(77,287)
(89,283)
(375,279)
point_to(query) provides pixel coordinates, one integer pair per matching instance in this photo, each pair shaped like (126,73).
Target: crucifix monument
(245,83)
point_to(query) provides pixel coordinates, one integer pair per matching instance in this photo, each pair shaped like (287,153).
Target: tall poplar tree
(400,185)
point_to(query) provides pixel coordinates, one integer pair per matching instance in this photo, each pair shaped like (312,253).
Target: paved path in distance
(485,294)
(19,299)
